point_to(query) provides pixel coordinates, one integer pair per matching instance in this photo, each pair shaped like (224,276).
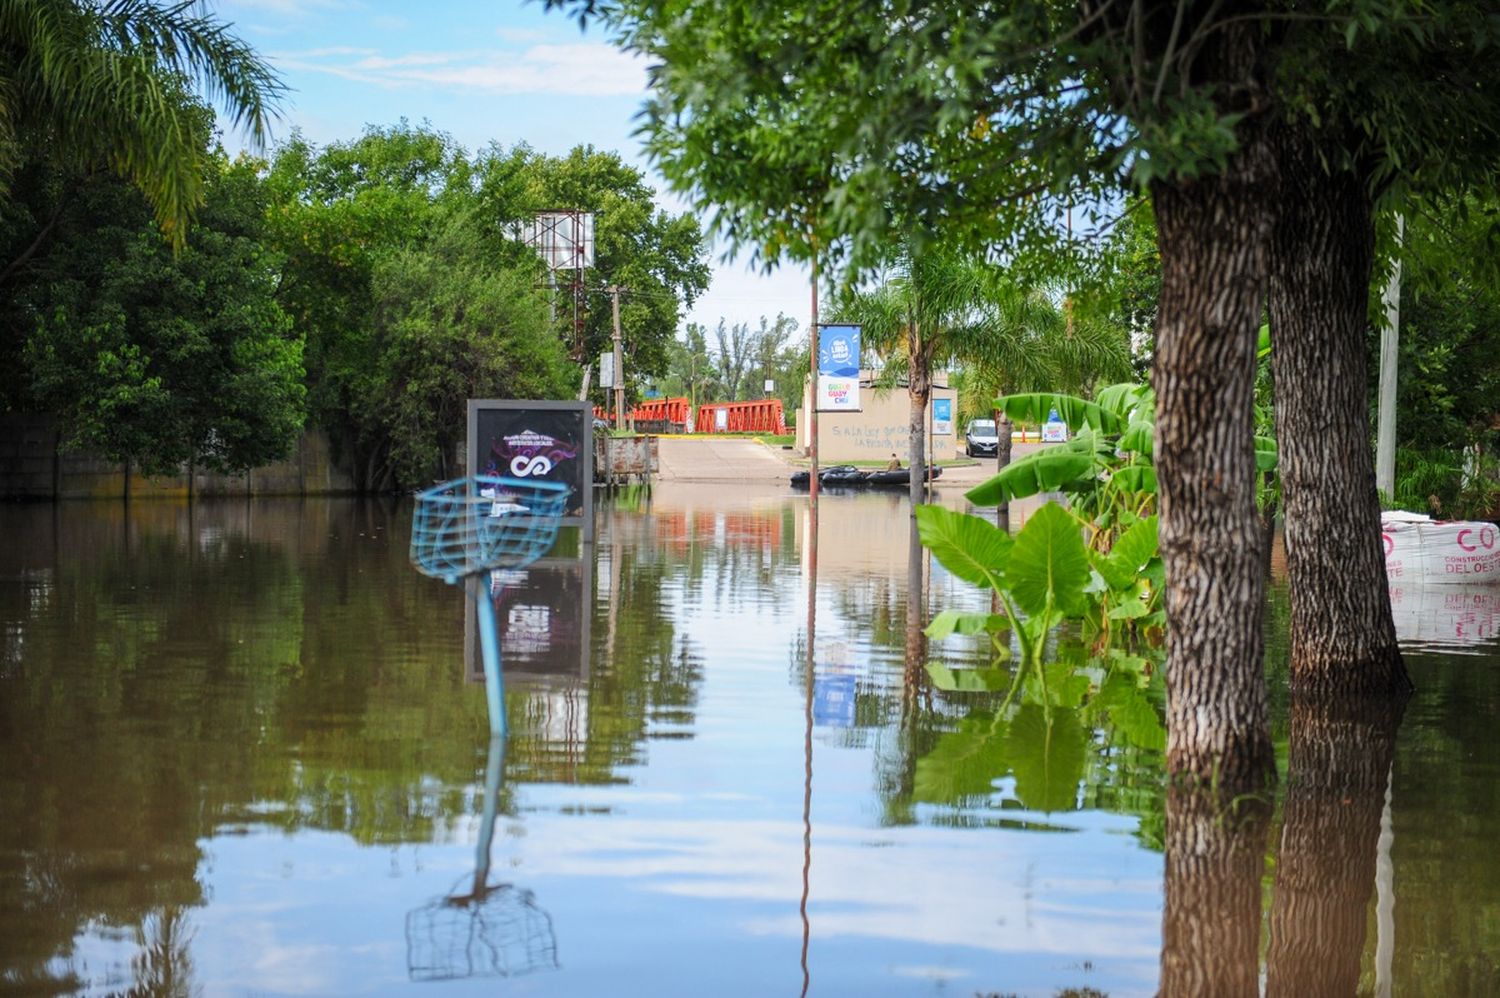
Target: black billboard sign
(539,439)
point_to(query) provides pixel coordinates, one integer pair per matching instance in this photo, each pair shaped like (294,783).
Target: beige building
(881,428)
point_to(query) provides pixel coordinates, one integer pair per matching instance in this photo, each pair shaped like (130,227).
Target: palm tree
(941,307)
(99,85)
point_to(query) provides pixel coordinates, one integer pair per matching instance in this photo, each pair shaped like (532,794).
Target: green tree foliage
(1449,367)
(691,372)
(454,328)
(403,272)
(158,358)
(94,85)
(657,258)
(1121,282)
(780,356)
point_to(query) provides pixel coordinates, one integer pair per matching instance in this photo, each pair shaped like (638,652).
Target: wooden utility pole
(614,291)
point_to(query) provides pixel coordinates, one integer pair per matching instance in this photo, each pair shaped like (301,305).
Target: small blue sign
(838,351)
(942,410)
(833,701)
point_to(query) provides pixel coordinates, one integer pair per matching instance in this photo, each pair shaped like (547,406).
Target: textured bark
(1213,234)
(1216,854)
(919,391)
(1342,639)
(1341,753)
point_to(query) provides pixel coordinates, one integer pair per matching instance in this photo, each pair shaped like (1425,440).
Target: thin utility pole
(812,409)
(1390,339)
(614,291)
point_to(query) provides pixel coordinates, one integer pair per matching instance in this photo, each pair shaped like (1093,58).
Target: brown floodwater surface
(243,750)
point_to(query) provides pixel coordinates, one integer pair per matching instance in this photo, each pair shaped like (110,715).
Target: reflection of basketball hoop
(472,525)
(480,929)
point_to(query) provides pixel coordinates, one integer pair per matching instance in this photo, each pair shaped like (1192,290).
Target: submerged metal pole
(494,692)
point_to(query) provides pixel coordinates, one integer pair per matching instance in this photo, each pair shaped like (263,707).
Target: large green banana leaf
(975,550)
(1137,437)
(1127,398)
(1034,408)
(1048,567)
(1056,469)
(1265,454)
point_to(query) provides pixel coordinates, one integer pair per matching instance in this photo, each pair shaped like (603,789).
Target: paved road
(709,459)
(731,459)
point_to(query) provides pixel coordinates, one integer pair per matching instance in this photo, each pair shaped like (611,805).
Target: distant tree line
(175,306)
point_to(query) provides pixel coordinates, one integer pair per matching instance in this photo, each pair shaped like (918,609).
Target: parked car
(981,439)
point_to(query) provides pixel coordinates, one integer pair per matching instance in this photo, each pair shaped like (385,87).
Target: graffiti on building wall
(874,438)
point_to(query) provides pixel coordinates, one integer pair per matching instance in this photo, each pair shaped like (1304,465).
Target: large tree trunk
(1213,234)
(1341,753)
(1216,855)
(1343,640)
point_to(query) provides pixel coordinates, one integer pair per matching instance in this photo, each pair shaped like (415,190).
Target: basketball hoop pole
(464,529)
(493,691)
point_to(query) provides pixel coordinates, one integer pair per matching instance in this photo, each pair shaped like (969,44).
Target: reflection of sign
(942,417)
(837,386)
(833,701)
(542,616)
(1445,616)
(551,441)
(527,630)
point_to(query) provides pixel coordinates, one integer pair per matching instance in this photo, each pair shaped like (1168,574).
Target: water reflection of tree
(1338,771)
(242,664)
(1076,732)
(123,734)
(163,964)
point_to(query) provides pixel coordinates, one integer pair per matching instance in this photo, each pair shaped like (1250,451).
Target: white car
(980,438)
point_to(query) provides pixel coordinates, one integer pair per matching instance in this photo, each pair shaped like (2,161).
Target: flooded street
(243,750)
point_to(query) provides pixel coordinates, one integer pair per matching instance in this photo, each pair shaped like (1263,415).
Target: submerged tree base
(1344,678)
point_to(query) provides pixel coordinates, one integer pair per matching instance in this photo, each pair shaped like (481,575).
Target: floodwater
(242,750)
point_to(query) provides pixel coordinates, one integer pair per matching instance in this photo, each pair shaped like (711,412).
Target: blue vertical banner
(838,369)
(942,417)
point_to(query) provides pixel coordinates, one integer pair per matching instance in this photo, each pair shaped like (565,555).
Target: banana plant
(1106,469)
(1041,578)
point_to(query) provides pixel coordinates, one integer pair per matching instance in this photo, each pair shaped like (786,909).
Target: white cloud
(329,52)
(583,69)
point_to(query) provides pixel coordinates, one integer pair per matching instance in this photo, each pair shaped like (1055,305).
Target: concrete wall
(33,466)
(881,429)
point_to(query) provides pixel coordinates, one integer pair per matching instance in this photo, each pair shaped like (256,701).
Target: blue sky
(505,72)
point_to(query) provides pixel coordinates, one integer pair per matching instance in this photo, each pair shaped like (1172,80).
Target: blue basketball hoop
(473,525)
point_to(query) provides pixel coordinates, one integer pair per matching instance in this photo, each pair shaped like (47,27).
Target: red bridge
(761,416)
(672,415)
